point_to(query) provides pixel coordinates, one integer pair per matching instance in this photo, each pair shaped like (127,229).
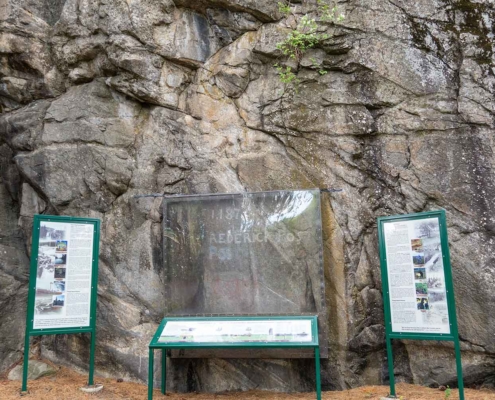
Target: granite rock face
(103,100)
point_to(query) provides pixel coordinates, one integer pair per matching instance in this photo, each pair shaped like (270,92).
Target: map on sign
(251,331)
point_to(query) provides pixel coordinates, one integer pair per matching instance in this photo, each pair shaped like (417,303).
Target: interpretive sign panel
(237,331)
(250,253)
(64,275)
(418,290)
(416,276)
(63,280)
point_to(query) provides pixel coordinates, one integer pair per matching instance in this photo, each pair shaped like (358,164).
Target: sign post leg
(25,364)
(390,361)
(150,374)
(460,380)
(92,359)
(164,371)
(318,373)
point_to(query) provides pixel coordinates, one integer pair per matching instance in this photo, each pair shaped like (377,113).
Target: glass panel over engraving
(252,253)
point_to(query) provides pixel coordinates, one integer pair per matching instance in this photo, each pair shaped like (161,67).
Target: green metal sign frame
(155,344)
(453,336)
(91,328)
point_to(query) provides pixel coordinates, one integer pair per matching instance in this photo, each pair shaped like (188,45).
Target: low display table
(233,333)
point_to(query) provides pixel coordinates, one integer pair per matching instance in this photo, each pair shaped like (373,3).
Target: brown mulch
(65,384)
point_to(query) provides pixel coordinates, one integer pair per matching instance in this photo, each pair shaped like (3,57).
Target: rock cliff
(105,99)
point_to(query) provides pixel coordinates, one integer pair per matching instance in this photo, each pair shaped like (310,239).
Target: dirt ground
(65,384)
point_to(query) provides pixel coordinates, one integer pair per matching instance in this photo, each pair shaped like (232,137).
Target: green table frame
(154,345)
(453,336)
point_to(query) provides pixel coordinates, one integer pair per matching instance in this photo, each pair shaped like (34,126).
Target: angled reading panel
(238,332)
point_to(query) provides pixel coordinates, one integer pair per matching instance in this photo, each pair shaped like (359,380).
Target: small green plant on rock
(327,13)
(286,75)
(283,8)
(304,37)
(321,71)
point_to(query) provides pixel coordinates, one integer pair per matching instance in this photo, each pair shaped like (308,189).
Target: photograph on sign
(63,276)
(237,331)
(416,276)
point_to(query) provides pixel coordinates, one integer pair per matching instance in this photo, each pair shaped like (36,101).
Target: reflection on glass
(252,253)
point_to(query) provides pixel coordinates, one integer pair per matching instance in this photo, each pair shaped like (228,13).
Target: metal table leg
(150,374)
(318,373)
(164,370)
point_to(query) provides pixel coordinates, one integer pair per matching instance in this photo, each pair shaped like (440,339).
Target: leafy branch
(286,75)
(283,7)
(328,14)
(304,37)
